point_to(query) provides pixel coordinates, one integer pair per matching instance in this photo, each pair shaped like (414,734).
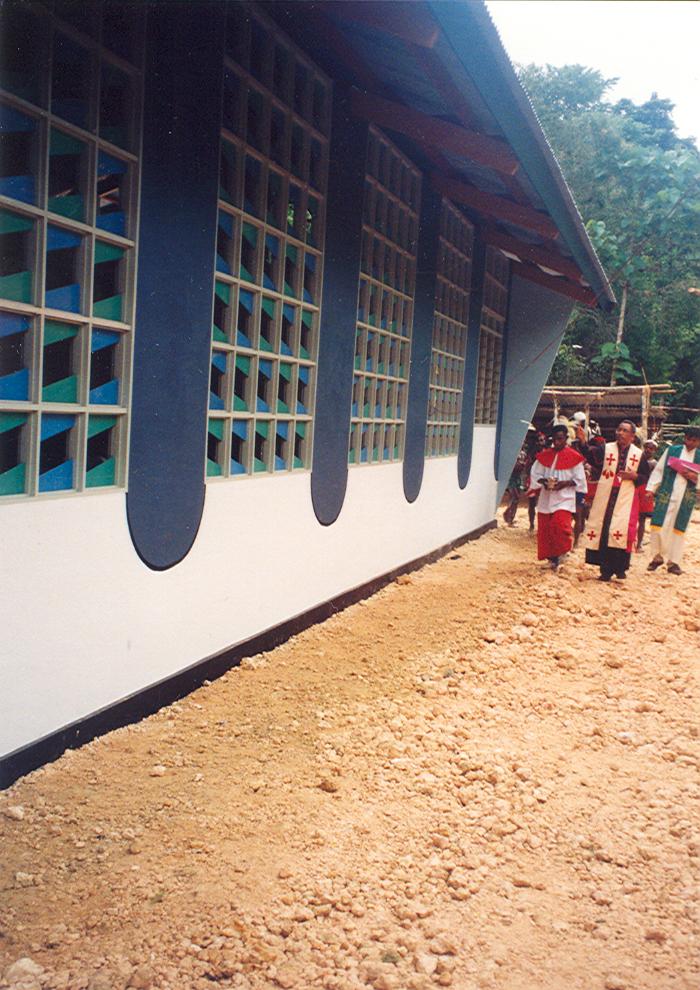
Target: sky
(650,46)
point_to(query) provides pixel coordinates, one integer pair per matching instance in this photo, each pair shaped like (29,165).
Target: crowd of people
(580,488)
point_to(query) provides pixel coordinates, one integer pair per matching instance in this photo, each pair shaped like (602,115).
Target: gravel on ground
(484,777)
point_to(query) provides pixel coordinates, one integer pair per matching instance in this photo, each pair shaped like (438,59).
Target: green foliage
(557,93)
(637,186)
(603,360)
(569,367)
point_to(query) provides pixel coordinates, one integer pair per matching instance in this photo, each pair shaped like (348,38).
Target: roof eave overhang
(492,73)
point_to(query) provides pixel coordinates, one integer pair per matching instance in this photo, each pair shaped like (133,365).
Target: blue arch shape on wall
(180,177)
(421,343)
(471,365)
(336,351)
(502,377)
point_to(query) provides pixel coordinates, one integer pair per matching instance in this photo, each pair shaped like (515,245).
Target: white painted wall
(86,623)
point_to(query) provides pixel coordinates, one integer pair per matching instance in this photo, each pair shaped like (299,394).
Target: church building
(281,284)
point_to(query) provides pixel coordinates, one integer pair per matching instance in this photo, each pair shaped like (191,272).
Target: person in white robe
(676,491)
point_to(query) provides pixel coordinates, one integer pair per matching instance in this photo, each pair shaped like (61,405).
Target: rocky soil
(485,777)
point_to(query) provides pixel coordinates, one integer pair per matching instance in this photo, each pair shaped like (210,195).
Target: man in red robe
(558,473)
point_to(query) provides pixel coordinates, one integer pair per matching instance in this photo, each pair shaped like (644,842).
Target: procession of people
(581,488)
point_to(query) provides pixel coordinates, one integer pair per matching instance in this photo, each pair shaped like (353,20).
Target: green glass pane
(107,252)
(12,481)
(64,144)
(213,469)
(239,405)
(17,287)
(13,223)
(262,428)
(218,334)
(103,474)
(67,206)
(55,331)
(98,424)
(223,291)
(259,465)
(8,421)
(108,309)
(216,428)
(64,391)
(244,364)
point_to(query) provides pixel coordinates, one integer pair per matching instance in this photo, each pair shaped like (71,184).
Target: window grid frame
(396,240)
(448,364)
(225,419)
(493,317)
(35,408)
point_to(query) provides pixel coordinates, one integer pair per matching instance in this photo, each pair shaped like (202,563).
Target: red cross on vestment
(633,459)
(617,535)
(610,458)
(591,534)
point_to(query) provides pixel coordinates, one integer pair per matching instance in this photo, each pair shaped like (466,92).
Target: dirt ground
(485,776)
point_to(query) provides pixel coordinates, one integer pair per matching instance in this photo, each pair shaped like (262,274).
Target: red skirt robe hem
(554,534)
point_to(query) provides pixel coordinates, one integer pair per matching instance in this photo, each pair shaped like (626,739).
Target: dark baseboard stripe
(165,692)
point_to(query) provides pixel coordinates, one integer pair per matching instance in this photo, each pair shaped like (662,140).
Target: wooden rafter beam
(438,75)
(336,42)
(532,252)
(435,70)
(515,189)
(435,133)
(559,285)
(495,206)
(410,22)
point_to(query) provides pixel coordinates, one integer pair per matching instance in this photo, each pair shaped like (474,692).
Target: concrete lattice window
(385,304)
(70,110)
(269,261)
(493,319)
(454,268)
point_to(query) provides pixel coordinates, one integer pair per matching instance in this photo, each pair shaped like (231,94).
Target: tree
(638,188)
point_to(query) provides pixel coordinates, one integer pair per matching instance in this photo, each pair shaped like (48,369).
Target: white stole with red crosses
(619,524)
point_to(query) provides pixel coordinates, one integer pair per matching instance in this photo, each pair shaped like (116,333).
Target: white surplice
(565,498)
(664,542)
